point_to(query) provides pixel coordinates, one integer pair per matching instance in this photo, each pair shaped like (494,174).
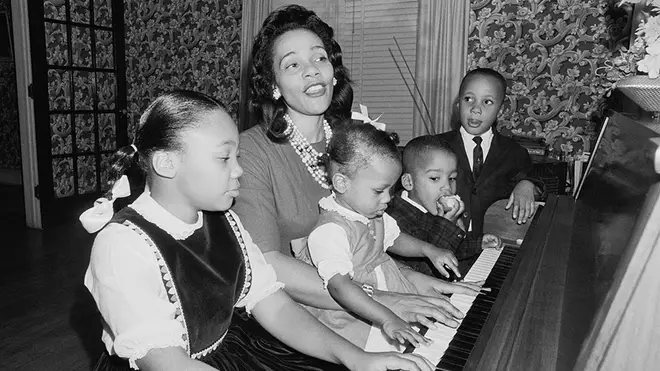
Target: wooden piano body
(584,290)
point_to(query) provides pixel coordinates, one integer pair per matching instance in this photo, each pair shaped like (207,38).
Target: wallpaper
(192,44)
(549,51)
(10,146)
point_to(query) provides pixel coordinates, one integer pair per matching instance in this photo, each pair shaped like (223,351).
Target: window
(365,32)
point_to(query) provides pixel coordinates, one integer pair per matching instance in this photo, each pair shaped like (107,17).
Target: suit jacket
(506,164)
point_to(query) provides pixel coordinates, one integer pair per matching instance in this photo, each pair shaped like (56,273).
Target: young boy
(429,175)
(491,167)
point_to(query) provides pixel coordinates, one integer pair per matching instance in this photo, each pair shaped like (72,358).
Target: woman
(299,91)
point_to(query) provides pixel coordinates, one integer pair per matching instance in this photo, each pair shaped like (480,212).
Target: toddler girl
(350,242)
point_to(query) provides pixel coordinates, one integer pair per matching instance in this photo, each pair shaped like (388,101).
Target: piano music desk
(498,221)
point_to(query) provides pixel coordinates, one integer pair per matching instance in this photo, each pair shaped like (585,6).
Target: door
(79,92)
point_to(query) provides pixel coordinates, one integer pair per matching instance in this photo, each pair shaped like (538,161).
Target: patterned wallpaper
(549,52)
(10,146)
(191,44)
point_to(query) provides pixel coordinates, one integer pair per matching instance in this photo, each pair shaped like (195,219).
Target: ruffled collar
(330,203)
(151,210)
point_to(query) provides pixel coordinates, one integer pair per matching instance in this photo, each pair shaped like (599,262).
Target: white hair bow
(100,214)
(364,116)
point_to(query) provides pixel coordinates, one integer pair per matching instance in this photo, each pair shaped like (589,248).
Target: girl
(352,236)
(167,271)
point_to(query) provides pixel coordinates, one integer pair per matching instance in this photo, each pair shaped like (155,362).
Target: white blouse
(328,244)
(124,278)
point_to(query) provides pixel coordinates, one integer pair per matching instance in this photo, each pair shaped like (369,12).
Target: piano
(579,287)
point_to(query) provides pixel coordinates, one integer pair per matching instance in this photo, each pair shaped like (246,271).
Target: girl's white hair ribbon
(364,116)
(100,214)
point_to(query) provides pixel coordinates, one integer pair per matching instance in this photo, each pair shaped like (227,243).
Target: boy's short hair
(485,72)
(414,153)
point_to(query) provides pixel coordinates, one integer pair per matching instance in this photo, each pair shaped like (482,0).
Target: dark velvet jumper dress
(206,274)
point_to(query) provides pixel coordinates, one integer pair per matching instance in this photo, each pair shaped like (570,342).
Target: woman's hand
(392,361)
(522,200)
(421,309)
(433,287)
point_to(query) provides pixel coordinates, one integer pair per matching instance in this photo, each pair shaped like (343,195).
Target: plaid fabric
(433,229)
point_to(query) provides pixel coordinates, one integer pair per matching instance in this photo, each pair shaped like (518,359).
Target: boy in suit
(426,208)
(491,166)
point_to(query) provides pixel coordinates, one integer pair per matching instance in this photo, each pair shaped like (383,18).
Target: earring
(334,81)
(276,93)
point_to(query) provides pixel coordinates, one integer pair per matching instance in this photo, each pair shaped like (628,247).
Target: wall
(192,44)
(10,148)
(550,52)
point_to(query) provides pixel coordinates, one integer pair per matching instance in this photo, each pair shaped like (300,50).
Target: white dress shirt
(469,144)
(405,197)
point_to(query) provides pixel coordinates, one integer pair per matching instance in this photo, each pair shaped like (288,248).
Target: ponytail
(122,161)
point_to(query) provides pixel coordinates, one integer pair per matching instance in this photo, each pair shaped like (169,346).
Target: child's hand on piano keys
(399,330)
(489,241)
(442,259)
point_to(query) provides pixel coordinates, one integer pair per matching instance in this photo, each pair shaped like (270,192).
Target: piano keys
(451,347)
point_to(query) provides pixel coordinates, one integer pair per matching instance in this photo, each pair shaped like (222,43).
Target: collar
(404,196)
(329,203)
(153,212)
(467,137)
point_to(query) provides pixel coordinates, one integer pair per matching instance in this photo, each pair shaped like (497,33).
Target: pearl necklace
(309,156)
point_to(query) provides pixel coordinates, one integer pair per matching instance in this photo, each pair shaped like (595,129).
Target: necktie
(478,157)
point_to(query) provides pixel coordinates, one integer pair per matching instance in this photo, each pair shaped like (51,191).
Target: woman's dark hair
(270,112)
(354,145)
(160,128)
(455,119)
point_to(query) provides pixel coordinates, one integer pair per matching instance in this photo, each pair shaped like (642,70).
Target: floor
(47,319)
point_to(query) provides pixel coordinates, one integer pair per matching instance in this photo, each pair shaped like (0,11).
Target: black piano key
(466,338)
(445,366)
(464,345)
(454,360)
(469,329)
(459,354)
(449,360)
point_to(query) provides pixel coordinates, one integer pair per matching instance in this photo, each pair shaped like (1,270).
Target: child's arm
(522,190)
(171,359)
(296,327)
(523,201)
(409,246)
(331,253)
(356,300)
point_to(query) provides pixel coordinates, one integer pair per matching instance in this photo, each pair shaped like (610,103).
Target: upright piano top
(574,298)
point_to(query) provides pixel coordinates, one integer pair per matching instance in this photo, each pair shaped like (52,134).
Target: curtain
(253,14)
(442,39)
